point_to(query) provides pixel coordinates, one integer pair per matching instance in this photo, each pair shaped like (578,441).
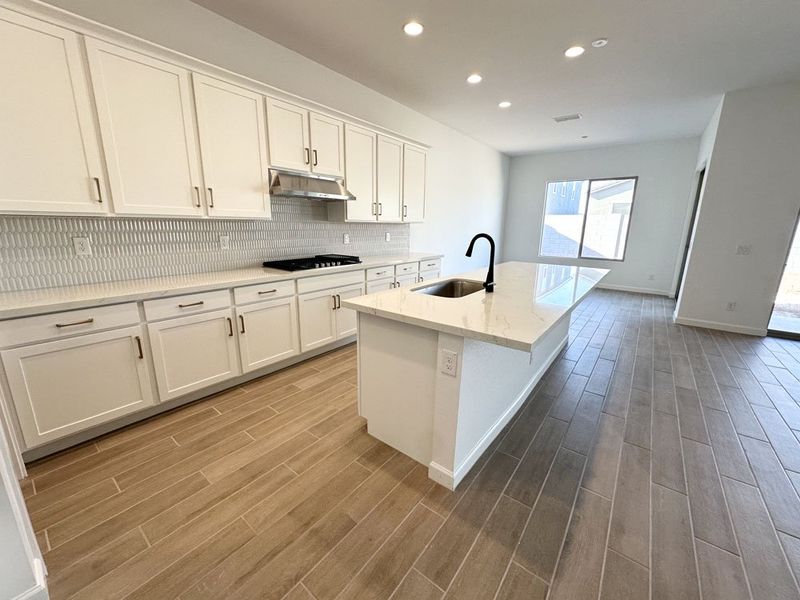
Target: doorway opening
(701,177)
(785,319)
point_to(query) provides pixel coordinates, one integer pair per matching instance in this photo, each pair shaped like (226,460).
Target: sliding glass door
(785,320)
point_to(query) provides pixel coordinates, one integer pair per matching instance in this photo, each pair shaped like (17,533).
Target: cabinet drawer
(263,291)
(189,304)
(434,264)
(406,268)
(380,273)
(326,282)
(65,324)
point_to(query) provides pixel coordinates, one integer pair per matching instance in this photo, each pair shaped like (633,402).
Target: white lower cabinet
(428,276)
(268,332)
(322,320)
(380,285)
(405,280)
(65,386)
(193,352)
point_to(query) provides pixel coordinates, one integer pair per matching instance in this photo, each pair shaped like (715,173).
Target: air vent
(564,118)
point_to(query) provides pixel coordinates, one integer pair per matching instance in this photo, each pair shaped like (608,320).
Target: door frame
(701,180)
(789,335)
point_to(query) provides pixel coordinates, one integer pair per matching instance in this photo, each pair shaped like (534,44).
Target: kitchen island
(439,377)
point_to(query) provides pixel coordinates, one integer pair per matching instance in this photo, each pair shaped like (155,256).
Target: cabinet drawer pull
(197,196)
(381,273)
(316,162)
(333,296)
(405,210)
(139,346)
(230,327)
(380,208)
(267,291)
(198,303)
(421,279)
(210,197)
(241,320)
(99,192)
(84,322)
(338,301)
(308,155)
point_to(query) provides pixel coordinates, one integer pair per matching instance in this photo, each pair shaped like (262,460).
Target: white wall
(659,218)
(751,197)
(709,137)
(466,179)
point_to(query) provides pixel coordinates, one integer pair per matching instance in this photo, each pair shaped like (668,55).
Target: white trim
(630,288)
(450,479)
(37,592)
(759,331)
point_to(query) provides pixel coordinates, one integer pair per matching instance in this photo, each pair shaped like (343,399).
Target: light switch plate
(82,245)
(449,362)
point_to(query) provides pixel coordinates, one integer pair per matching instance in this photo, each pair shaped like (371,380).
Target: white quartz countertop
(528,299)
(33,302)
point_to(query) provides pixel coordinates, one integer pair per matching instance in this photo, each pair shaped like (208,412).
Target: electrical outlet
(744,250)
(346,239)
(388,237)
(449,362)
(82,245)
(651,277)
(731,306)
(225,242)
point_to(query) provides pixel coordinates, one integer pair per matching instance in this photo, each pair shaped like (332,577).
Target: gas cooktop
(315,262)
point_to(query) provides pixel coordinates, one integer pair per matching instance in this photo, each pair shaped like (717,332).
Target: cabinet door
(194,352)
(360,164)
(428,276)
(268,332)
(390,179)
(147,125)
(317,319)
(233,148)
(406,280)
(379,286)
(414,160)
(327,145)
(287,131)
(66,386)
(346,317)
(49,152)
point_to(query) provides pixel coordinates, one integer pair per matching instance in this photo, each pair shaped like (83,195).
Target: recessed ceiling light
(574,51)
(600,42)
(474,78)
(413,28)
(504,104)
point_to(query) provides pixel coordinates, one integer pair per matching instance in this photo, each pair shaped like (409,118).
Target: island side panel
(397,383)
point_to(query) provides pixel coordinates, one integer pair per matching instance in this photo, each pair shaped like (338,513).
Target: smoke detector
(565,118)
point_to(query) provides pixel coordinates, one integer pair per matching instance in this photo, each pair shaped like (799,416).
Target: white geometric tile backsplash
(37,252)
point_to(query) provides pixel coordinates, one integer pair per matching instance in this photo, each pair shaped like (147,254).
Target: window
(588,218)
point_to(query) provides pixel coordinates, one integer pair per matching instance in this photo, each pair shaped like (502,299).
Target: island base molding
(444,421)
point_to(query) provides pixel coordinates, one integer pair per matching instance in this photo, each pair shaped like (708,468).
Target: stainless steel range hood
(298,184)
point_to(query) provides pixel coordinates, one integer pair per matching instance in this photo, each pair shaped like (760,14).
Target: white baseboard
(637,290)
(450,479)
(721,326)
(37,592)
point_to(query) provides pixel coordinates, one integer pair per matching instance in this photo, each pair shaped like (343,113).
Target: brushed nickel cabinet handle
(421,279)
(375,208)
(308,155)
(230,327)
(99,191)
(381,273)
(316,161)
(241,320)
(267,292)
(139,346)
(197,195)
(338,301)
(405,210)
(199,303)
(380,208)
(84,322)
(210,197)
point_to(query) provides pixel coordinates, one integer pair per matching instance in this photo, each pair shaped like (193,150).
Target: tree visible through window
(587,218)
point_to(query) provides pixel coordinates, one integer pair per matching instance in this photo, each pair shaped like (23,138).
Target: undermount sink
(451,288)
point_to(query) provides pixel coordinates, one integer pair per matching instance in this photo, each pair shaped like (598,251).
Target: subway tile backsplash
(37,251)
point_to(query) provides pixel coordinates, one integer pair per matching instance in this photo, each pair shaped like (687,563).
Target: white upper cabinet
(49,153)
(327,145)
(414,165)
(147,125)
(361,159)
(233,147)
(390,179)
(287,126)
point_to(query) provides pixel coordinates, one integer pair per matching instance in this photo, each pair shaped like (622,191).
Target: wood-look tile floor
(653,461)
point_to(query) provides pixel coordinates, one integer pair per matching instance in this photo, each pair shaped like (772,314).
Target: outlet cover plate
(82,246)
(346,238)
(225,242)
(388,237)
(449,362)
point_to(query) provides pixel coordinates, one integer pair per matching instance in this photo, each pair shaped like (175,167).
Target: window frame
(589,181)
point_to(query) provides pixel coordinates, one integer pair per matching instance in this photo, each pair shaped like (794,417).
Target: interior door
(346,317)
(267,332)
(147,124)
(698,192)
(193,352)
(49,149)
(287,131)
(360,173)
(65,386)
(390,179)
(317,319)
(327,145)
(414,172)
(233,147)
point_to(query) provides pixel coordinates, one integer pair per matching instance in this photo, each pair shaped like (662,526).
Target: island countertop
(528,299)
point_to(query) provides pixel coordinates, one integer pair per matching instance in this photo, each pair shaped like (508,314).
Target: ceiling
(660,76)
